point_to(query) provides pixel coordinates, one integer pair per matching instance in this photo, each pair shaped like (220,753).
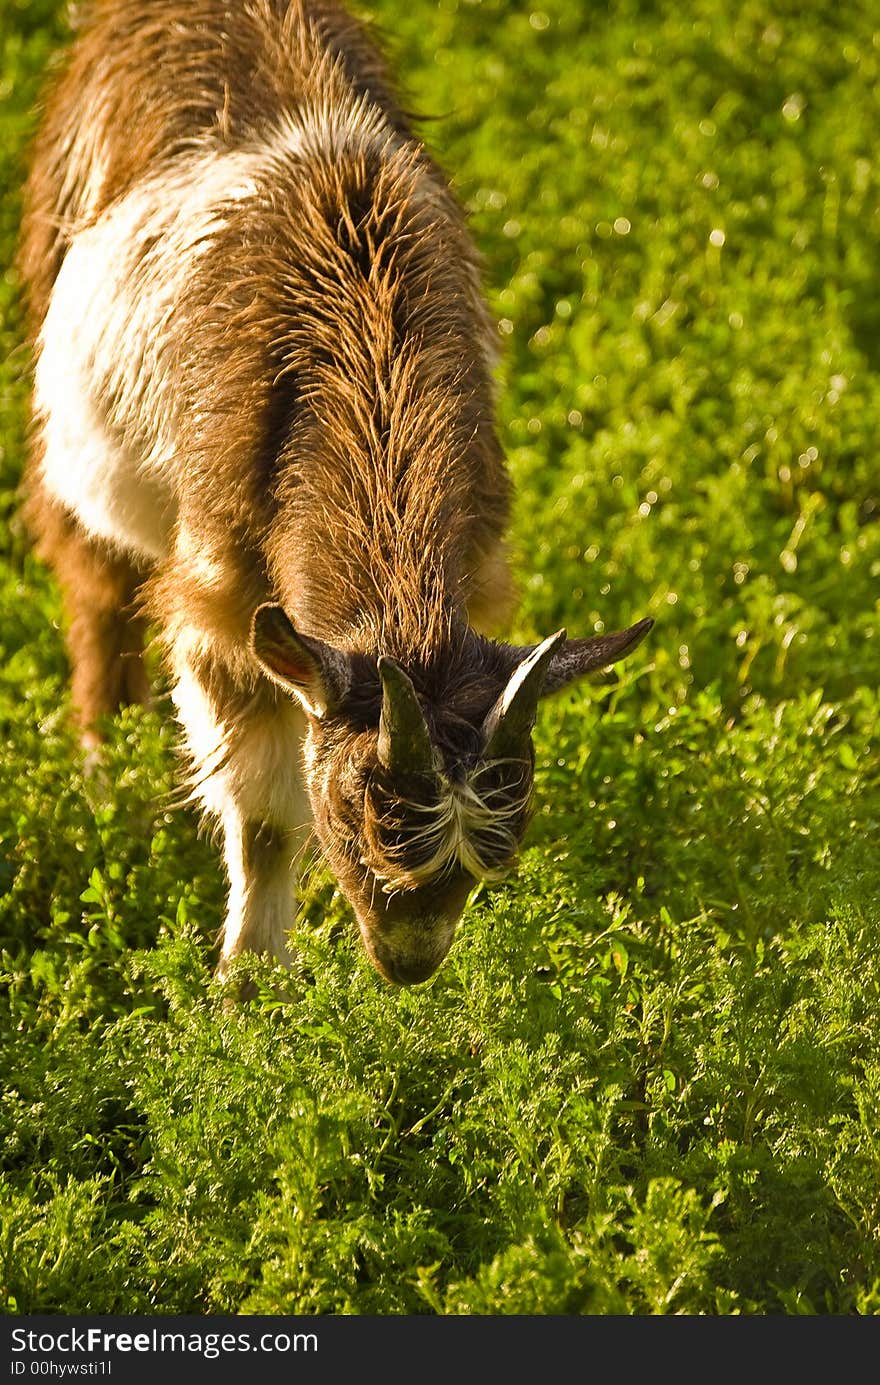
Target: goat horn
(404,742)
(509,724)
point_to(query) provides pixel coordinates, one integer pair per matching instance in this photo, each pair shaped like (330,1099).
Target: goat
(264,425)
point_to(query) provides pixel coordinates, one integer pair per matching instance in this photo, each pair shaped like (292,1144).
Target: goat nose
(410,973)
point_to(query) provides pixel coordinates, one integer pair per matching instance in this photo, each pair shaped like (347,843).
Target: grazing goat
(263,413)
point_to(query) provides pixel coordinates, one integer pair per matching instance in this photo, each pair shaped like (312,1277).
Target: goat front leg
(245,744)
(261,863)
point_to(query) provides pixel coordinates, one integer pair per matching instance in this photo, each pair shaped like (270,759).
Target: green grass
(647,1079)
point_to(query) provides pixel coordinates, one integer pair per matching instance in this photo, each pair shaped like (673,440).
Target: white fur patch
(104,383)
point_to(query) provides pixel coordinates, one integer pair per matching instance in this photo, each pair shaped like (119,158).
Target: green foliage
(646,1079)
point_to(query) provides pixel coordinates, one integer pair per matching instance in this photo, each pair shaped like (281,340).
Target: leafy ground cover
(647,1078)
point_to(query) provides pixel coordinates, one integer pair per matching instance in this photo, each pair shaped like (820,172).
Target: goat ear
(316,673)
(577,657)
